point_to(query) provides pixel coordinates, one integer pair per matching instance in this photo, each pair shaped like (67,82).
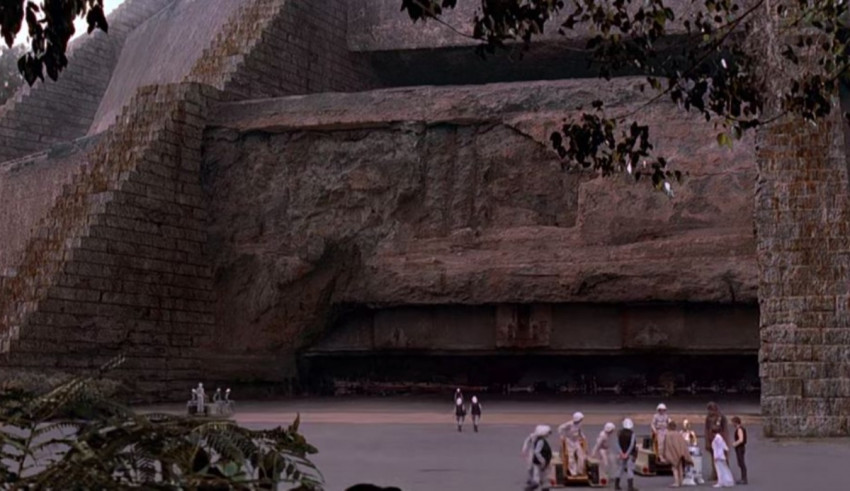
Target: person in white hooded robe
(600,449)
(572,437)
(538,456)
(725,479)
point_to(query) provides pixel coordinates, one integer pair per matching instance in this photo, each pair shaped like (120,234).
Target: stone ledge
(431,105)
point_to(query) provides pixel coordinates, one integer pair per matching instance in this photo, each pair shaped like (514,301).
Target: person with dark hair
(740,445)
(677,454)
(715,424)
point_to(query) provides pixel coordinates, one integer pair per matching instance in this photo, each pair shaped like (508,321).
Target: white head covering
(474,400)
(661,407)
(459,401)
(577,417)
(609,427)
(542,430)
(627,424)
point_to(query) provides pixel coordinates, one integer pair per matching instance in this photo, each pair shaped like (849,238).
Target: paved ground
(412,443)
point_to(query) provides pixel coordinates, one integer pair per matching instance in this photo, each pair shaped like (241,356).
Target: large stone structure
(242,198)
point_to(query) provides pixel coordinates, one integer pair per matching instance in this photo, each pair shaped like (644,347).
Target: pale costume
(693,472)
(724,474)
(600,449)
(201,395)
(659,428)
(572,437)
(538,455)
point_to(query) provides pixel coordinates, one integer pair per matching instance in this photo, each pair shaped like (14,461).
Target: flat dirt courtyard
(412,443)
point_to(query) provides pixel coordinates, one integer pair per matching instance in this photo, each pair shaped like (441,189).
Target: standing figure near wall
(715,424)
(660,421)
(475,410)
(572,438)
(460,413)
(201,395)
(458,394)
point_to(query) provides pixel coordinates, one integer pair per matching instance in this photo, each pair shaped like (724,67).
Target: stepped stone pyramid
(285,194)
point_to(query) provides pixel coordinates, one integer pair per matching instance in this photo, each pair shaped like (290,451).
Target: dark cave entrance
(635,374)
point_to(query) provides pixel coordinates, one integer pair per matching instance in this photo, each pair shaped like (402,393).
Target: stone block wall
(118,264)
(303,50)
(803,229)
(28,188)
(164,50)
(52,112)
(802,221)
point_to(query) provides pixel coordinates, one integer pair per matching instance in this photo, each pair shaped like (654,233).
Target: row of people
(679,452)
(538,453)
(461,411)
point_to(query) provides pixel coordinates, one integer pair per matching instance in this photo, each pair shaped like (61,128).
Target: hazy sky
(80,25)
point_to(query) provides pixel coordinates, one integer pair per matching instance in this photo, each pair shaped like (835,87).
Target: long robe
(721,463)
(573,437)
(676,451)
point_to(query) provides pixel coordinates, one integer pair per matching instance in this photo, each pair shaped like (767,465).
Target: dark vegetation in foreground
(75,435)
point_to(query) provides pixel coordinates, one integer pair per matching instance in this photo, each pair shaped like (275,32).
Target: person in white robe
(600,449)
(572,438)
(725,479)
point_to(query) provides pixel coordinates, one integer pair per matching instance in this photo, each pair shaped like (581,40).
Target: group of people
(678,448)
(539,454)
(461,409)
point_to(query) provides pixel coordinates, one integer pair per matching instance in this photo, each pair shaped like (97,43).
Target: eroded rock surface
(429,196)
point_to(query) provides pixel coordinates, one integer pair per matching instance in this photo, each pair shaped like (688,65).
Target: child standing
(721,466)
(460,413)
(475,410)
(740,444)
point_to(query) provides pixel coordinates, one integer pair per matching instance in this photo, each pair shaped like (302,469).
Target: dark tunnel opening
(635,374)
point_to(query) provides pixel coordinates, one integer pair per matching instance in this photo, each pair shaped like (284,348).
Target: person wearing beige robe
(676,452)
(571,439)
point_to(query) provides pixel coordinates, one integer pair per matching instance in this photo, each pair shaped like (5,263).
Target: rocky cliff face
(452,196)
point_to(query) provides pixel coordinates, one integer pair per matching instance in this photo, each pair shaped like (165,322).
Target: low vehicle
(647,462)
(593,475)
(220,407)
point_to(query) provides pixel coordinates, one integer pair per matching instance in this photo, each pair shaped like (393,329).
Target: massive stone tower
(265,191)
